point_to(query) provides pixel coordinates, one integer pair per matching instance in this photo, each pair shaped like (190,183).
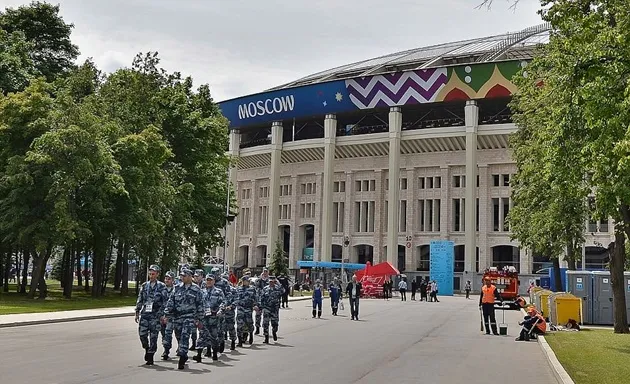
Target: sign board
(605,281)
(579,286)
(579,279)
(442,253)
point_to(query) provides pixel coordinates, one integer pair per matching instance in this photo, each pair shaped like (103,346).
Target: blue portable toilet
(553,285)
(545,282)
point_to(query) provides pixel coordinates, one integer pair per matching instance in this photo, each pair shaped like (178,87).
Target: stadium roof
(510,46)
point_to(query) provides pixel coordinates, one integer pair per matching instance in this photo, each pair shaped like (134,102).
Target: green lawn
(13,302)
(593,356)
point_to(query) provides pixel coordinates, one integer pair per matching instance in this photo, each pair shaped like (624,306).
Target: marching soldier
(270,304)
(197,279)
(246,302)
(261,283)
(167,328)
(213,306)
(149,310)
(185,309)
(229,314)
(223,284)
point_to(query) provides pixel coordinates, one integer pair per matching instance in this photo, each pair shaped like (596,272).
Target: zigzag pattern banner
(402,88)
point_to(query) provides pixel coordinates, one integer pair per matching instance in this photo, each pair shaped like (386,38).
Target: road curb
(558,370)
(91,317)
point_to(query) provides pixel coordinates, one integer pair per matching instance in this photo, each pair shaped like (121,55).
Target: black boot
(494,330)
(275,335)
(240,342)
(257,330)
(214,355)
(208,352)
(233,345)
(193,347)
(487,328)
(182,362)
(150,359)
(165,355)
(319,314)
(222,347)
(251,338)
(198,357)
(266,339)
(146,355)
(314,313)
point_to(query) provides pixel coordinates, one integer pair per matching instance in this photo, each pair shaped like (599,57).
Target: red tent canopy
(383,269)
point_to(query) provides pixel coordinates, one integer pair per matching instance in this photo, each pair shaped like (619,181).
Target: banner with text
(442,253)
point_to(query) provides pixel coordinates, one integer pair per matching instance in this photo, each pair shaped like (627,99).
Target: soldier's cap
(225,275)
(265,269)
(245,278)
(154,268)
(186,272)
(272,278)
(199,273)
(185,266)
(169,274)
(209,276)
(215,269)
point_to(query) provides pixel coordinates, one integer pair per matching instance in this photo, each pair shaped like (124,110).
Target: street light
(229,218)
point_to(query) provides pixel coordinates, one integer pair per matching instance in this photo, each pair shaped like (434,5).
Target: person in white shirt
(434,291)
(402,288)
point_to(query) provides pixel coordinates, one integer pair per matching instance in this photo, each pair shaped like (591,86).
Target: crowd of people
(206,310)
(428,289)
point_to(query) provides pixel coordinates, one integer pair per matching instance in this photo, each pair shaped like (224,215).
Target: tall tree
(584,74)
(52,51)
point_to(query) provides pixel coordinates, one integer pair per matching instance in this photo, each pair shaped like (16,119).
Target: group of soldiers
(191,305)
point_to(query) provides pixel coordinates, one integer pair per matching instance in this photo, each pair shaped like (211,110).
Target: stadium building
(371,161)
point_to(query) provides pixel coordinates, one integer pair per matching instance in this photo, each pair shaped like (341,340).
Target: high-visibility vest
(542,324)
(520,301)
(488,294)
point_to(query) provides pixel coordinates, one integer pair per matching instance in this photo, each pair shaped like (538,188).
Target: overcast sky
(246,46)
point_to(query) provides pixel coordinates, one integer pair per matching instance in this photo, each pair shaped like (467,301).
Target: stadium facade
(387,154)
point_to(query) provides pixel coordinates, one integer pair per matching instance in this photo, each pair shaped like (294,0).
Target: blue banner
(306,101)
(442,253)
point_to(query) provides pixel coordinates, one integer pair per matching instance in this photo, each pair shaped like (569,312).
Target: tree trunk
(86,269)
(617,264)
(78,273)
(26,256)
(571,257)
(119,259)
(98,263)
(557,275)
(108,265)
(68,271)
(7,270)
(3,274)
(37,277)
(124,289)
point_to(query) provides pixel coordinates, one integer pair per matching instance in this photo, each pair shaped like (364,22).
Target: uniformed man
(318,297)
(246,302)
(213,307)
(284,282)
(229,314)
(221,282)
(185,309)
(335,294)
(198,276)
(270,305)
(167,328)
(261,283)
(149,309)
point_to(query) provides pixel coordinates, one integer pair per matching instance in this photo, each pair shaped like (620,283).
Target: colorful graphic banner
(475,81)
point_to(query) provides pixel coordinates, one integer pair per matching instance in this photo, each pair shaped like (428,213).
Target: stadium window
(495,180)
(456,181)
(357,186)
(429,183)
(437,183)
(403,184)
(372,185)
(421,181)
(506,180)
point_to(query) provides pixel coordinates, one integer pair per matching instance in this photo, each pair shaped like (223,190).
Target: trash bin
(602,298)
(532,292)
(564,306)
(580,283)
(541,301)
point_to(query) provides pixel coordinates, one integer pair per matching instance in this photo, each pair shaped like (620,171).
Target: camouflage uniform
(261,283)
(150,307)
(246,300)
(198,280)
(229,314)
(222,283)
(270,305)
(213,305)
(167,328)
(184,308)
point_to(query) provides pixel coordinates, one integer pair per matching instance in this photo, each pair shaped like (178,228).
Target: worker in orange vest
(520,302)
(533,319)
(489,294)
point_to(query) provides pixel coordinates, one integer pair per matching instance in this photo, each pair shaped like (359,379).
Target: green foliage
(279,261)
(136,157)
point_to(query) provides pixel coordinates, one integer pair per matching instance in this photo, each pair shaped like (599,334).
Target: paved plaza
(403,342)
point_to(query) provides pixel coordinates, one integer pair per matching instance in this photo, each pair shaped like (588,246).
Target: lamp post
(228,220)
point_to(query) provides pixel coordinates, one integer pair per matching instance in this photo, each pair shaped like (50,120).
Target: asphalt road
(401,342)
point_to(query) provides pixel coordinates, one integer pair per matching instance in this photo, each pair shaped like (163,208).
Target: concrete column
(348,221)
(484,216)
(234,149)
(445,205)
(393,197)
(294,244)
(472,123)
(525,261)
(584,257)
(274,188)
(379,219)
(330,133)
(254,220)
(317,230)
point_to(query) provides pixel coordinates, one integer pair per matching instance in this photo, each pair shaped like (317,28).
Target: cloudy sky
(246,46)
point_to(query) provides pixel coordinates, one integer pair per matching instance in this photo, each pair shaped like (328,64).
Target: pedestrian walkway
(23,319)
